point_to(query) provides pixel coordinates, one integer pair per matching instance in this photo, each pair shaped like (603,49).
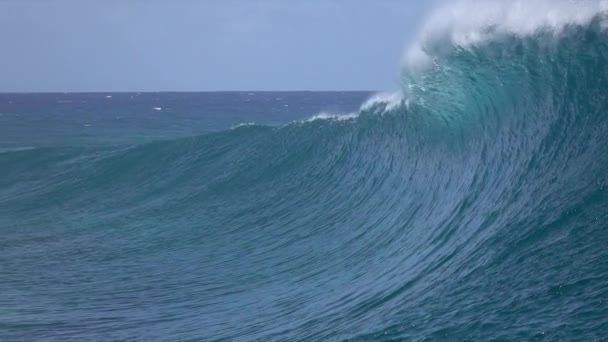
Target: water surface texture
(473,206)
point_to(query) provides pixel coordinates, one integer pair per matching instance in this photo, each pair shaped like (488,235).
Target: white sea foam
(466,23)
(243,124)
(389,100)
(16,149)
(335,117)
(385,101)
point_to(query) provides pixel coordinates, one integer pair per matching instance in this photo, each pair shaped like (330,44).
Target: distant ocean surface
(472,206)
(28,120)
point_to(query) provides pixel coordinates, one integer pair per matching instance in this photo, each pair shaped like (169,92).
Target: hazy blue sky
(147,45)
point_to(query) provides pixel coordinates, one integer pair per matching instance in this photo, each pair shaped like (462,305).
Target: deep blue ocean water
(28,120)
(472,207)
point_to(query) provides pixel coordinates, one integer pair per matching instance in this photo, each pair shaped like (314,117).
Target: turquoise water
(474,208)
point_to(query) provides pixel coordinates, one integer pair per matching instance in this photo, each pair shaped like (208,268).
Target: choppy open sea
(472,205)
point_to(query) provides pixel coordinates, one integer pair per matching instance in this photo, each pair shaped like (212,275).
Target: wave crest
(468,23)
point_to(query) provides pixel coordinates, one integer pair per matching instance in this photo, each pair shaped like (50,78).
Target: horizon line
(184,91)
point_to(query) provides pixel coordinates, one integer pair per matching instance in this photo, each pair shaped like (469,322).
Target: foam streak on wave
(380,103)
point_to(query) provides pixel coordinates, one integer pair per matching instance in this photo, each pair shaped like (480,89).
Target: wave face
(472,208)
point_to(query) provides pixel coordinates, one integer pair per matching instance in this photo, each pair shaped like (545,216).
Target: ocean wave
(472,208)
(463,24)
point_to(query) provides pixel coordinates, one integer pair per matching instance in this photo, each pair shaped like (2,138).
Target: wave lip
(468,23)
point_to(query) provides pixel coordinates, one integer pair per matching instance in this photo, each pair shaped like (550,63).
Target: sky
(204,45)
